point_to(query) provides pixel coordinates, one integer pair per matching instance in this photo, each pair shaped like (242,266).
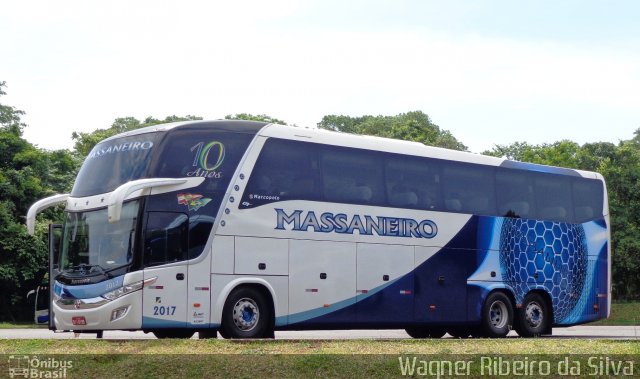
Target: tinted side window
(199,230)
(166,238)
(514,193)
(412,182)
(469,188)
(213,155)
(588,198)
(285,170)
(352,176)
(553,197)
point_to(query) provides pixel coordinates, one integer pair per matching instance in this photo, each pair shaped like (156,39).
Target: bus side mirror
(31,297)
(41,205)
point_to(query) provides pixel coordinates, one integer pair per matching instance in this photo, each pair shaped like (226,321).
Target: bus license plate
(79,320)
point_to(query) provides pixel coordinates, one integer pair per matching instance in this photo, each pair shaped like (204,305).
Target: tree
(411,126)
(517,151)
(10,117)
(562,153)
(596,156)
(26,174)
(622,172)
(250,117)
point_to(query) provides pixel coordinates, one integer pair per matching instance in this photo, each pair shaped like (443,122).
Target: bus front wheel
(246,314)
(533,318)
(497,315)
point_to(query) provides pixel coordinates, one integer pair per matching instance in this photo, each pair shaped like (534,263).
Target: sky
(489,71)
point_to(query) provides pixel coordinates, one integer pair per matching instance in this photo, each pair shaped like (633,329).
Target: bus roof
(241,126)
(410,148)
(356,141)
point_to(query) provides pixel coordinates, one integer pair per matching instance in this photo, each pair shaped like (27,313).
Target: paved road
(595,332)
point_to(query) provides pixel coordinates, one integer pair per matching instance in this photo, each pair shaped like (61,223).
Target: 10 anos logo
(208,158)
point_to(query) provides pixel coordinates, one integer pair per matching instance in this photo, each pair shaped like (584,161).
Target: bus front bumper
(99,314)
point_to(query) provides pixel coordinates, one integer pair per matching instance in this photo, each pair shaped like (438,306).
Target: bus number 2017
(169,310)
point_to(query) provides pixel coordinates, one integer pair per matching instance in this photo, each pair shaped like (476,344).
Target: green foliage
(411,126)
(23,261)
(562,153)
(596,156)
(250,117)
(26,175)
(10,116)
(622,172)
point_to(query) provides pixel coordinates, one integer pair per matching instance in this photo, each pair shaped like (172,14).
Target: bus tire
(173,333)
(497,315)
(246,314)
(425,332)
(533,318)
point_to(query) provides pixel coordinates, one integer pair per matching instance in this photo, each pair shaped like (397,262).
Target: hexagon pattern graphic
(555,251)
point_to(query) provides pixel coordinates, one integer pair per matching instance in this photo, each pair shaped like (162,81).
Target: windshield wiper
(88,269)
(101,270)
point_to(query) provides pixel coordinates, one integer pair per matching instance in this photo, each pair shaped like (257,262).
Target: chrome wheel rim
(533,314)
(246,314)
(498,314)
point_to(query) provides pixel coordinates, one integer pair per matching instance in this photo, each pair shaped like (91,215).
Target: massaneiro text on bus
(243,228)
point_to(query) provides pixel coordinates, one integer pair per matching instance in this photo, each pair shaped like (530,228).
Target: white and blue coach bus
(245,228)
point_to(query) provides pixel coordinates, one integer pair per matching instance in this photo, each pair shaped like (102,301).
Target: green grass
(627,313)
(276,347)
(294,359)
(20,325)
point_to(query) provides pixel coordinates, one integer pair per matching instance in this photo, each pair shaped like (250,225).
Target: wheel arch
(257,283)
(505,290)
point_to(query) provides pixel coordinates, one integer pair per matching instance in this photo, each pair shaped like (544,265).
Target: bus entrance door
(166,250)
(55,237)
(165,301)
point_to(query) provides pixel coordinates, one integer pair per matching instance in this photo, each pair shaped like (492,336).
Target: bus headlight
(119,292)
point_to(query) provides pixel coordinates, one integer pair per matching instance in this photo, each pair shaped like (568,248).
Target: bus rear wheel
(533,318)
(246,314)
(497,315)
(425,332)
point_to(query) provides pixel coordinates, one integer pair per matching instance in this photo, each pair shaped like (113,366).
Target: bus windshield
(91,244)
(114,162)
